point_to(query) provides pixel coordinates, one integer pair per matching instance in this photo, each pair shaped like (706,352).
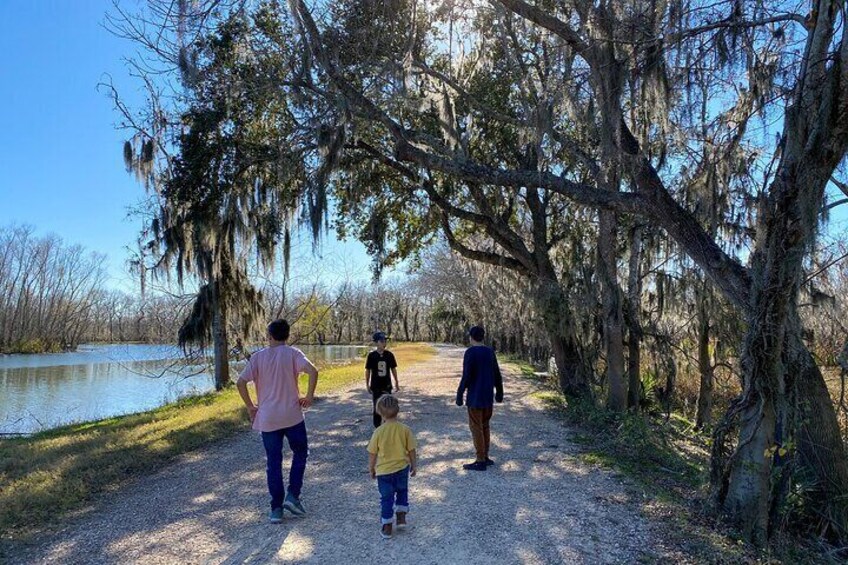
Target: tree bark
(608,84)
(703,419)
(746,501)
(572,372)
(219,340)
(788,220)
(613,330)
(745,498)
(820,448)
(406,324)
(570,366)
(634,320)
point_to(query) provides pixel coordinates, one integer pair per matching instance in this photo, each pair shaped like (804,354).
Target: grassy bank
(664,459)
(668,461)
(46,476)
(31,346)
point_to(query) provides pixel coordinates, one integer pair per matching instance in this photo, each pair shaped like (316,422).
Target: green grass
(31,346)
(665,460)
(668,461)
(48,475)
(647,447)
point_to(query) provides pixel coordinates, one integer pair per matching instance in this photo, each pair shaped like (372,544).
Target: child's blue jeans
(394,494)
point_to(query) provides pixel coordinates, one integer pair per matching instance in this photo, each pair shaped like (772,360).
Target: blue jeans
(273,442)
(394,494)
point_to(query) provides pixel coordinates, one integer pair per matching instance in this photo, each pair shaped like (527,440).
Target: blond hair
(387,406)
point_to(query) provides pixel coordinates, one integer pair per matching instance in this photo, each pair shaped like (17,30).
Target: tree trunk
(613,331)
(820,447)
(572,372)
(746,501)
(634,332)
(745,497)
(570,367)
(406,324)
(703,419)
(219,340)
(787,223)
(416,332)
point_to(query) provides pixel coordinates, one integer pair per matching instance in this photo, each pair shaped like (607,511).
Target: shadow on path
(537,505)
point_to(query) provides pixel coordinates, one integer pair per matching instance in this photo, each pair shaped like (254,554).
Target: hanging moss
(128,156)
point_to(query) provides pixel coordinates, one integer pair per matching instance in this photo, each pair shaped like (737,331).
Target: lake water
(38,392)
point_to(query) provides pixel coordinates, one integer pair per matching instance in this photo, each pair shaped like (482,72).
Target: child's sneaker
(400,520)
(386,531)
(294,506)
(276,516)
(476,466)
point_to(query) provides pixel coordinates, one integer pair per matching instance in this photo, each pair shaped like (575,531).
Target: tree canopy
(619,159)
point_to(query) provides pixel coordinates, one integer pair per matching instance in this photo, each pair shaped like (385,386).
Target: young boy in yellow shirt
(391,461)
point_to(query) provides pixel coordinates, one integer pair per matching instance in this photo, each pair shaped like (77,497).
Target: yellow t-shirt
(391,442)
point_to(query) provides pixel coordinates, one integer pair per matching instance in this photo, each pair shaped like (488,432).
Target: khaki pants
(478,421)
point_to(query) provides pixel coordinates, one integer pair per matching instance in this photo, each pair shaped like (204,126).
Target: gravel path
(540,504)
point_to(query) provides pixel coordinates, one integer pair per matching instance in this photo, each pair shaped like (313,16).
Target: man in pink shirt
(278,413)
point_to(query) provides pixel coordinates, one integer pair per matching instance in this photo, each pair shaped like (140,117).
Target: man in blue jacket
(481,377)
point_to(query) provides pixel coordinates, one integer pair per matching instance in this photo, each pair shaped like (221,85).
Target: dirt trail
(539,504)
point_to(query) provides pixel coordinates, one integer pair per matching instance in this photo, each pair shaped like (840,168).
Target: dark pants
(376,394)
(273,442)
(478,421)
(394,494)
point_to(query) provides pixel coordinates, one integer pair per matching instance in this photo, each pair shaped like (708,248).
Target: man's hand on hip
(251,412)
(306,401)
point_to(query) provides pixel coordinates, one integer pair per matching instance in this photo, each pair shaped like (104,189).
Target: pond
(39,392)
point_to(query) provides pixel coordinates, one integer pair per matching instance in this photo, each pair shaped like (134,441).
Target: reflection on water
(99,381)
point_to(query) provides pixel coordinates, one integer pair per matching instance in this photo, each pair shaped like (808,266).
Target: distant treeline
(53,297)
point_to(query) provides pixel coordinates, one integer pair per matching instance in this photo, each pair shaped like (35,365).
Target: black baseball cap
(379,336)
(477,333)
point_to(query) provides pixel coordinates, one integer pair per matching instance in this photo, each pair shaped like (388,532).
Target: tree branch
(477,255)
(835,203)
(552,24)
(471,171)
(652,199)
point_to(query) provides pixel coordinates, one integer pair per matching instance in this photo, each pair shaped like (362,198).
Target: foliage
(48,292)
(530,135)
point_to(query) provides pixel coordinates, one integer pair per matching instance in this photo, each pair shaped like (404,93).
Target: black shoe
(476,466)
(489,462)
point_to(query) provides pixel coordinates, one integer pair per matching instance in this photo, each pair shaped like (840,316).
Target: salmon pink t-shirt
(274,371)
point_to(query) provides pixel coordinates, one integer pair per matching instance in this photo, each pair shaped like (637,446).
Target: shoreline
(55,472)
(170,378)
(20,350)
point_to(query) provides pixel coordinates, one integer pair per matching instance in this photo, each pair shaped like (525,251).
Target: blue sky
(60,156)
(61,166)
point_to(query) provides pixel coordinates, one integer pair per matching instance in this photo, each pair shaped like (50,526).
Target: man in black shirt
(377,367)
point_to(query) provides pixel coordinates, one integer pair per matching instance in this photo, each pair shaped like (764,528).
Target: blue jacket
(481,377)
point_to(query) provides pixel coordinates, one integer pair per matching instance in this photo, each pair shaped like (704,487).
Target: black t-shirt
(380,366)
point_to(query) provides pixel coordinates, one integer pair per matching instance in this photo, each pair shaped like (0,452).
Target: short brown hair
(387,406)
(279,330)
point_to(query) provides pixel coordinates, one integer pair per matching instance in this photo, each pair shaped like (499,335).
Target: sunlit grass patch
(517,364)
(334,377)
(50,474)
